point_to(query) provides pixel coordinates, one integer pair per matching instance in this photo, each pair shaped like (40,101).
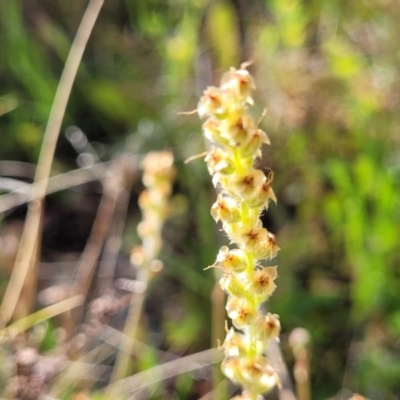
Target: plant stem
(129,332)
(31,230)
(43,315)
(220,389)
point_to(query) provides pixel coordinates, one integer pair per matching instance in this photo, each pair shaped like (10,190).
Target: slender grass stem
(32,224)
(134,383)
(42,315)
(129,332)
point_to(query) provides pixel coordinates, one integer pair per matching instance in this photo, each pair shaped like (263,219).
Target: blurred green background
(328,74)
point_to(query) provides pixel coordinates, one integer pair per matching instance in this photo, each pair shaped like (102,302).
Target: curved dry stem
(17,168)
(42,315)
(28,192)
(32,225)
(79,369)
(129,332)
(113,187)
(134,383)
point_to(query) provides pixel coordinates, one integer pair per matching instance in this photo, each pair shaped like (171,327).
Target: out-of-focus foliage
(329,78)
(327,71)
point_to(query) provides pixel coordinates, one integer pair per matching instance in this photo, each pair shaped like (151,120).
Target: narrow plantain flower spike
(158,175)
(245,193)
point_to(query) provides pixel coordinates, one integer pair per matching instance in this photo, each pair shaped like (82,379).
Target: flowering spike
(245,193)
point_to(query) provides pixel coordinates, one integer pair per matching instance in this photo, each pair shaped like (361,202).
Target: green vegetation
(327,73)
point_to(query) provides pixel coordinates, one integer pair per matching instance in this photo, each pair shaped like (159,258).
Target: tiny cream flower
(225,209)
(268,248)
(211,102)
(241,311)
(263,194)
(238,131)
(262,281)
(247,185)
(252,146)
(250,237)
(218,161)
(259,375)
(240,83)
(137,257)
(212,131)
(233,285)
(230,260)
(158,169)
(234,344)
(268,327)
(231,368)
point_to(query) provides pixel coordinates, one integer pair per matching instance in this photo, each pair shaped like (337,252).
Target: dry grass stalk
(32,225)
